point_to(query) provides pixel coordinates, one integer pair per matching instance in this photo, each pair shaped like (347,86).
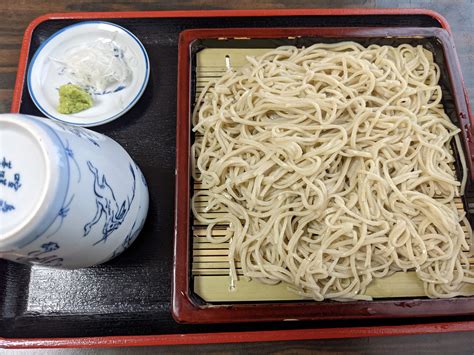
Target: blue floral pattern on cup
(58,222)
(45,255)
(92,212)
(80,133)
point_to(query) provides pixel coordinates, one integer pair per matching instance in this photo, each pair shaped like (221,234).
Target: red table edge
(215,338)
(239,337)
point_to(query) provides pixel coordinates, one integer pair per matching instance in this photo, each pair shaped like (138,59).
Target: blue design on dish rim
(52,215)
(106,120)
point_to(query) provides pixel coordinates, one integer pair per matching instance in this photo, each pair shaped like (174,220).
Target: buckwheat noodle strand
(332,166)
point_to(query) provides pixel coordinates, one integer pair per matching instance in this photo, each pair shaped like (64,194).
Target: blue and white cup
(69,197)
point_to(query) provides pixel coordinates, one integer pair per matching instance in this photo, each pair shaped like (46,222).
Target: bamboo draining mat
(210,263)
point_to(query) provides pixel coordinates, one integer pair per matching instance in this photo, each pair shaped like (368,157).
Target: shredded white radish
(100,66)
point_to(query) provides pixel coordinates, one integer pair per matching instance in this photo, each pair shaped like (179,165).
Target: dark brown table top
(15,16)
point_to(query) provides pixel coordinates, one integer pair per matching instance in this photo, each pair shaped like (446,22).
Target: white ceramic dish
(44,75)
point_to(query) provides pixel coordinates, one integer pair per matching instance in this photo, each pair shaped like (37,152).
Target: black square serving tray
(131,295)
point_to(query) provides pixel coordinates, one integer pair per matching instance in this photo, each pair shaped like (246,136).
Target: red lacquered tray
(41,318)
(186,306)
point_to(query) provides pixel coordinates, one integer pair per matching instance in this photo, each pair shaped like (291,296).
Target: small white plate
(45,77)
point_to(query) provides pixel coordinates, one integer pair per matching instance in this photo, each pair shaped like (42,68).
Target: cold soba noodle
(333,167)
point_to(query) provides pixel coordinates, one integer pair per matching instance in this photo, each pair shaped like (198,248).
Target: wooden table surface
(15,16)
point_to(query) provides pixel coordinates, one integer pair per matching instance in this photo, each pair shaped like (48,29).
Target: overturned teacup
(69,197)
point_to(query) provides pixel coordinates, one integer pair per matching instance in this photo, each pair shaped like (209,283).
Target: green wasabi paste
(73,99)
